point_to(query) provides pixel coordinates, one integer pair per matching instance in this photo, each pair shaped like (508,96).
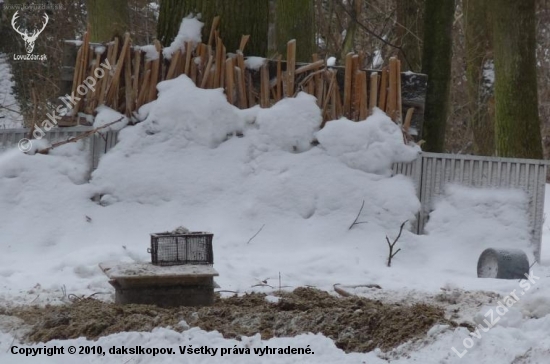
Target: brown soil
(355,324)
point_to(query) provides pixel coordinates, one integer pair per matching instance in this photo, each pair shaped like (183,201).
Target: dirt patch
(354,323)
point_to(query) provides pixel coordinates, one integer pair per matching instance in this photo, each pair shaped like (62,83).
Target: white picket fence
(431,172)
(99,144)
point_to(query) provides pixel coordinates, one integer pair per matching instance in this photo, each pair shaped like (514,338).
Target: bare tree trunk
(480,75)
(295,19)
(351,31)
(436,63)
(238,18)
(410,30)
(108,19)
(517,125)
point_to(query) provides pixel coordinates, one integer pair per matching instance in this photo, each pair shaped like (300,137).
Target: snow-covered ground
(9,108)
(199,162)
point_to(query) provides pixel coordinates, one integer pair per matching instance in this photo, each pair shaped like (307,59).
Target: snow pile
(190,31)
(184,113)
(371,145)
(290,124)
(106,115)
(254,63)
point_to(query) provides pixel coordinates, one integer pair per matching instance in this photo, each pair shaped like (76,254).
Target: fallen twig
(249,240)
(338,288)
(355,222)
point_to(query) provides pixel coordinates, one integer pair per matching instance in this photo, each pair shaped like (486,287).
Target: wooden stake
(361,94)
(137,66)
(128,83)
(264,88)
(373,91)
(206,74)
(173,64)
(241,91)
(290,67)
(215,23)
(244,40)
(408,119)
(154,73)
(347,84)
(399,111)
(383,89)
(279,79)
(230,80)
(188,54)
(391,107)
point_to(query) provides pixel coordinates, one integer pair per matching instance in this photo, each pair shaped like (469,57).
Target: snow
(197,161)
(254,63)
(371,146)
(331,61)
(150,51)
(106,115)
(190,31)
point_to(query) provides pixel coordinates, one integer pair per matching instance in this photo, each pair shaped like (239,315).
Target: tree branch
(355,221)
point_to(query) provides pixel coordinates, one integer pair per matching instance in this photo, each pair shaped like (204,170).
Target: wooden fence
(348,91)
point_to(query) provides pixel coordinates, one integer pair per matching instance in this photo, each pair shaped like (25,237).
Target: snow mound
(106,115)
(190,31)
(371,145)
(185,113)
(290,124)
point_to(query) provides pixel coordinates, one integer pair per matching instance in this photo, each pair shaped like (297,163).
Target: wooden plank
(230,80)
(383,89)
(361,92)
(290,67)
(215,23)
(241,82)
(244,41)
(173,64)
(154,73)
(355,92)
(207,71)
(128,83)
(264,91)
(391,107)
(310,67)
(113,85)
(348,84)
(241,89)
(373,91)
(137,66)
(188,56)
(399,106)
(279,81)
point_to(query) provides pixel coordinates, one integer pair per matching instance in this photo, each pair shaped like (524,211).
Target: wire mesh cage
(180,249)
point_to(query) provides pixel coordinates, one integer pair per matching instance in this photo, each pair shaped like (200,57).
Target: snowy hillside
(199,162)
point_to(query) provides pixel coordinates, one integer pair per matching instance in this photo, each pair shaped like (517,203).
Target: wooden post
(348,84)
(383,89)
(230,81)
(373,91)
(291,67)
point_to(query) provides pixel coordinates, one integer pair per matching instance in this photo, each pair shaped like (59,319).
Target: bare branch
(249,240)
(392,245)
(77,138)
(357,218)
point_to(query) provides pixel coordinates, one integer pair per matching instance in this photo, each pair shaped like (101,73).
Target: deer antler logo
(28,38)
